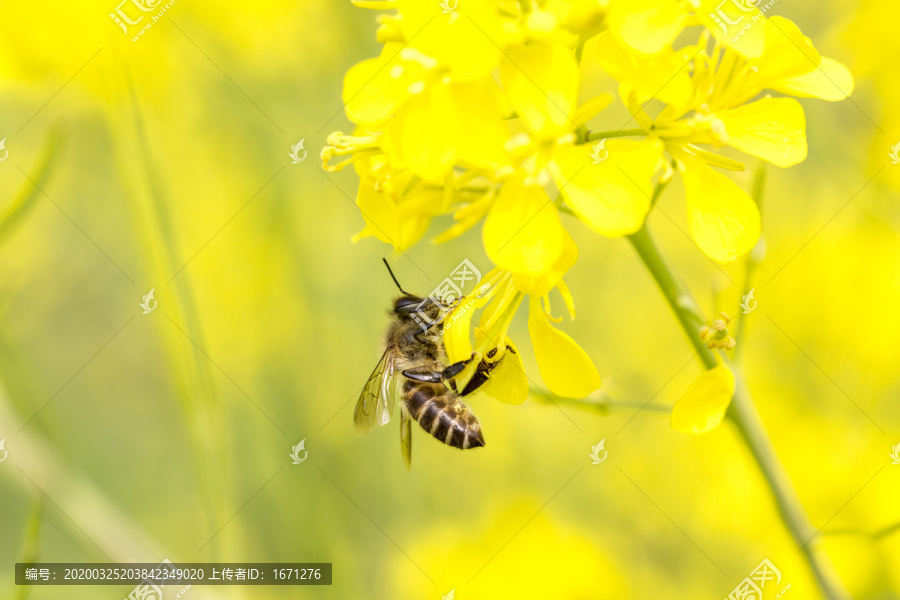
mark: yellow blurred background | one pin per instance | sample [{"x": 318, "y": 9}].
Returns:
[{"x": 164, "y": 164}]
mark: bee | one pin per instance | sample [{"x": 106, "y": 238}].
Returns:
[{"x": 414, "y": 373}]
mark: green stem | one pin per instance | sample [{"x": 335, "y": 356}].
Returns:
[
  {"x": 600, "y": 135},
  {"x": 16, "y": 212},
  {"x": 753, "y": 260},
  {"x": 679, "y": 298},
  {"x": 602, "y": 404},
  {"x": 31, "y": 545},
  {"x": 747, "y": 420}
]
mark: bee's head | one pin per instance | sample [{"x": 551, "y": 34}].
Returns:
[
  {"x": 416, "y": 308},
  {"x": 407, "y": 304}
]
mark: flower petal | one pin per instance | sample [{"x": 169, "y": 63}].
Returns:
[
  {"x": 508, "y": 382},
  {"x": 465, "y": 41},
  {"x": 541, "y": 80},
  {"x": 661, "y": 76},
  {"x": 447, "y": 122},
  {"x": 611, "y": 197},
  {"x": 522, "y": 232},
  {"x": 483, "y": 132},
  {"x": 539, "y": 285},
  {"x": 380, "y": 213},
  {"x": 788, "y": 53},
  {"x": 424, "y": 132},
  {"x": 565, "y": 367},
  {"x": 458, "y": 321},
  {"x": 703, "y": 405},
  {"x": 648, "y": 26},
  {"x": 723, "y": 219},
  {"x": 734, "y": 24},
  {"x": 371, "y": 91},
  {"x": 773, "y": 129},
  {"x": 832, "y": 81}
]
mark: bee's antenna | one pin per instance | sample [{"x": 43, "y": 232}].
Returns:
[{"x": 399, "y": 287}]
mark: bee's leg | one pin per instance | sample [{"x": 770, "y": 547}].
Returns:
[
  {"x": 422, "y": 374},
  {"x": 483, "y": 371},
  {"x": 456, "y": 368}
]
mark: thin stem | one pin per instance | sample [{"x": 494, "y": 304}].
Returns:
[
  {"x": 191, "y": 370},
  {"x": 679, "y": 298},
  {"x": 754, "y": 258},
  {"x": 602, "y": 403},
  {"x": 16, "y": 212},
  {"x": 747, "y": 420},
  {"x": 600, "y": 135},
  {"x": 31, "y": 544}
]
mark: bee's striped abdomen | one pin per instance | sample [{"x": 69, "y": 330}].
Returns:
[{"x": 442, "y": 414}]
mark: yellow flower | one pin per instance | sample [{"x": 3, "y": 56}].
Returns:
[
  {"x": 392, "y": 216},
  {"x": 565, "y": 367},
  {"x": 722, "y": 218},
  {"x": 465, "y": 42},
  {"x": 708, "y": 105},
  {"x": 507, "y": 382},
  {"x": 662, "y": 75},
  {"x": 475, "y": 112},
  {"x": 612, "y": 197},
  {"x": 541, "y": 81},
  {"x": 445, "y": 124},
  {"x": 703, "y": 405},
  {"x": 523, "y": 232},
  {"x": 648, "y": 26},
  {"x": 790, "y": 64}
]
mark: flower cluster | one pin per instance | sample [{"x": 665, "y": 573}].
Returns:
[
  {"x": 717, "y": 335},
  {"x": 480, "y": 110}
]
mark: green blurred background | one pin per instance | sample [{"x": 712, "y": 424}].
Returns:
[{"x": 154, "y": 431}]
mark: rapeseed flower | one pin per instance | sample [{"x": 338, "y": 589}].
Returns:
[{"x": 473, "y": 110}]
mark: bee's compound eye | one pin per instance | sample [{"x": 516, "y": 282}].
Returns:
[
  {"x": 492, "y": 353},
  {"x": 407, "y": 303}
]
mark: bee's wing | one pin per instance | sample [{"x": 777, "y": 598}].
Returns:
[
  {"x": 406, "y": 437},
  {"x": 379, "y": 396}
]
